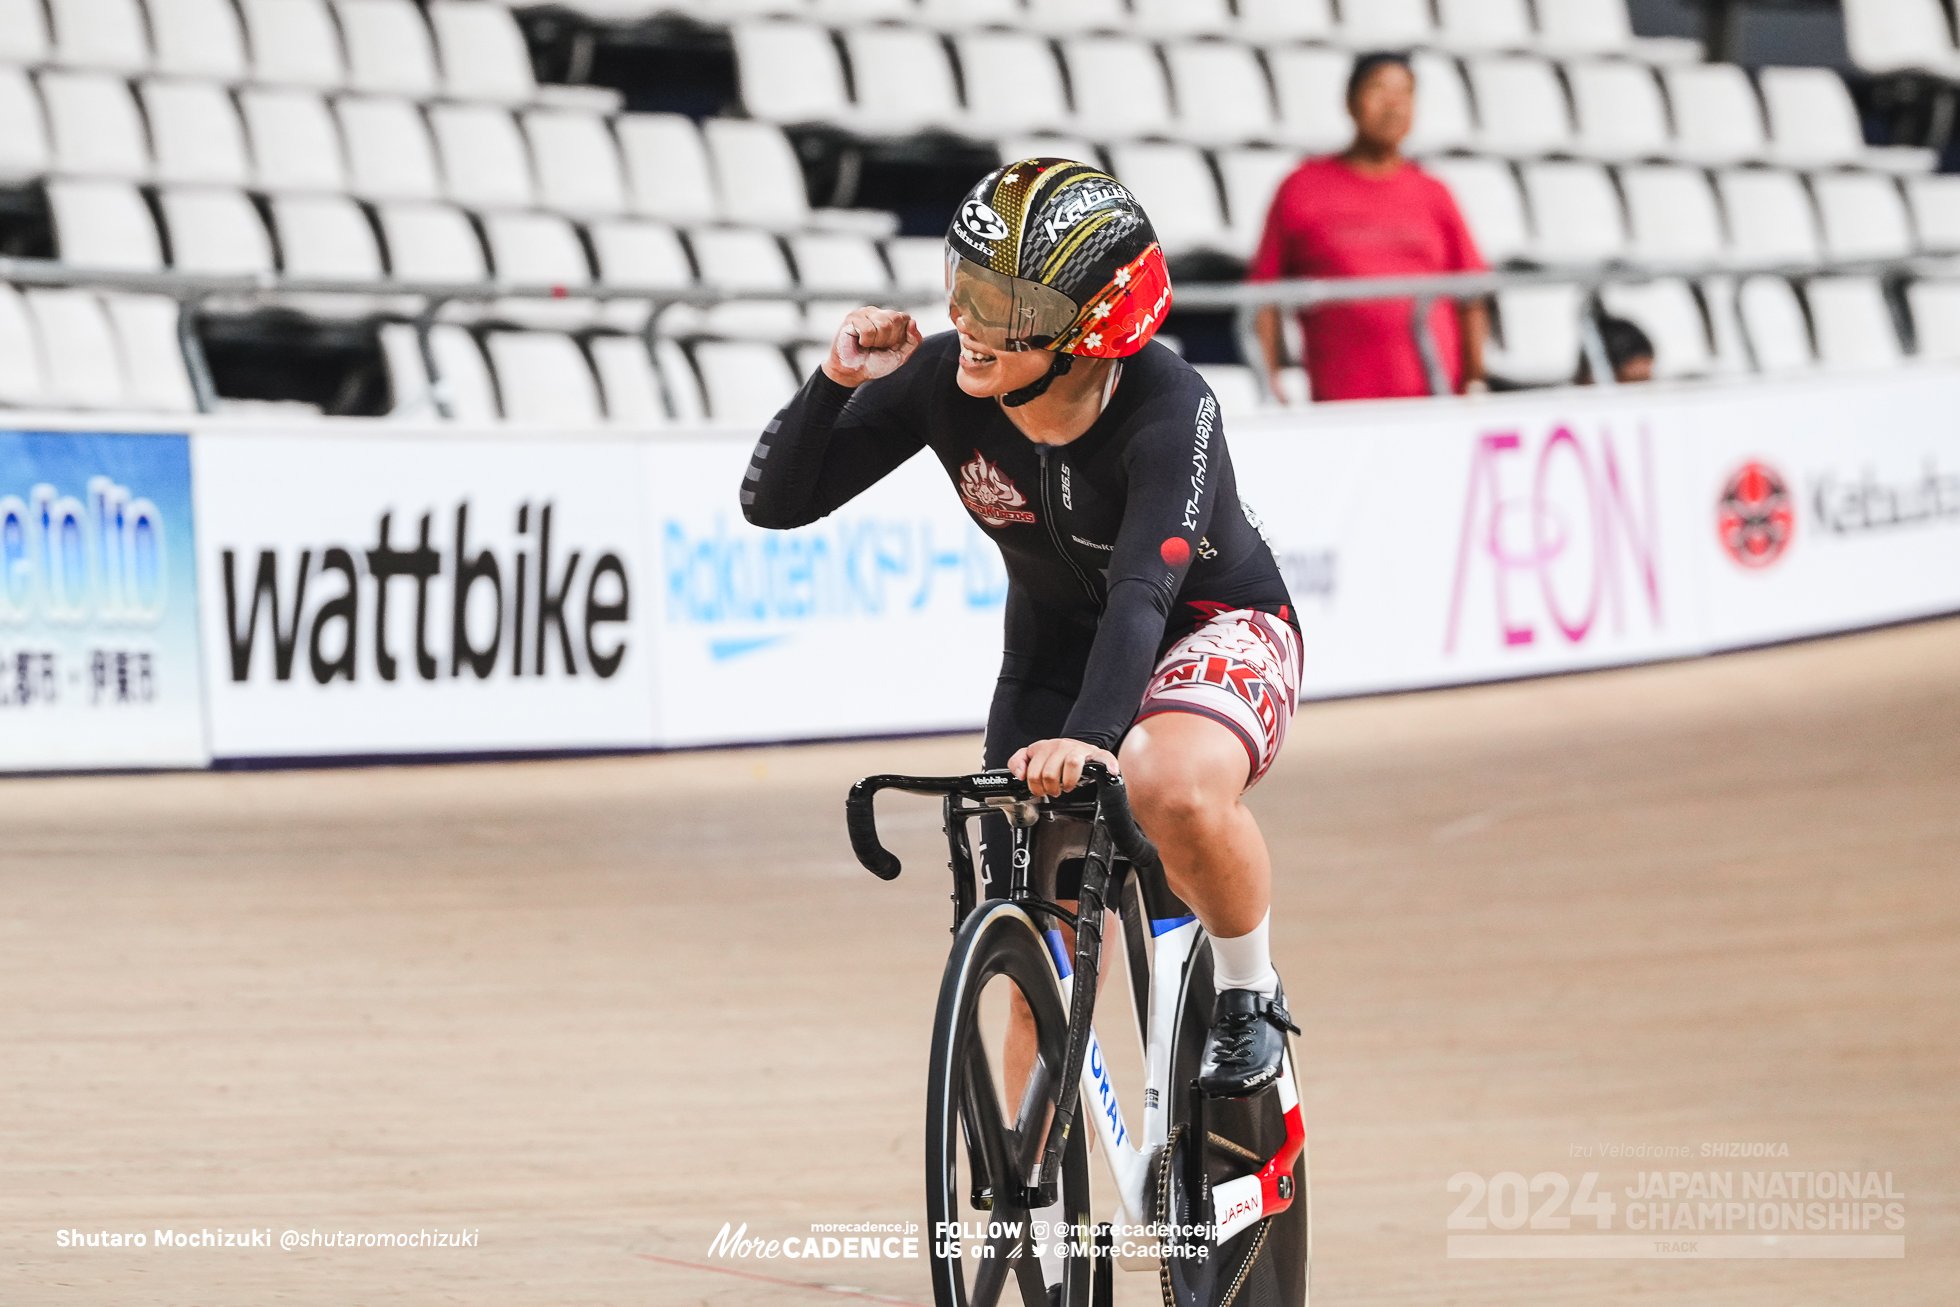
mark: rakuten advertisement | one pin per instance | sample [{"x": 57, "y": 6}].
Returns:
[
  {"x": 98, "y": 596},
  {"x": 883, "y": 617},
  {"x": 422, "y": 594}
]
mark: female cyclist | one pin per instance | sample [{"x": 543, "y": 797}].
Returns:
[{"x": 1147, "y": 625}]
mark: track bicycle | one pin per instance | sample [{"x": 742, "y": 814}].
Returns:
[{"x": 1212, "y": 1193}]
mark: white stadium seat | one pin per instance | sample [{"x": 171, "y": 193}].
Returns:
[
  {"x": 743, "y": 260},
  {"x": 325, "y": 237},
  {"x": 542, "y": 377},
  {"x": 78, "y": 349},
  {"x": 1575, "y": 212},
  {"x": 95, "y": 125},
  {"x": 431, "y": 243},
  {"x": 1311, "y": 85},
  {"x": 1582, "y": 27},
  {"x": 1538, "y": 341},
  {"x": 1444, "y": 120},
  {"x": 1481, "y": 26},
  {"x": 1063, "y": 16},
  {"x": 1175, "y": 186},
  {"x": 1863, "y": 216},
  {"x": 789, "y": 73},
  {"x": 1813, "y": 123},
  {"x": 1667, "y": 312},
  {"x": 917, "y": 262},
  {"x": 1013, "y": 83},
  {"x": 1220, "y": 91},
  {"x": 1899, "y": 36},
  {"x": 484, "y": 162},
  {"x": 483, "y": 54},
  {"x": 1718, "y": 296},
  {"x": 1487, "y": 194},
  {"x": 21, "y": 383},
  {"x": 24, "y": 148},
  {"x": 1717, "y": 118},
  {"x": 1935, "y": 203},
  {"x": 23, "y": 40},
  {"x": 1773, "y": 320},
  {"x": 535, "y": 249},
  {"x": 1235, "y": 386},
  {"x": 195, "y": 135},
  {"x": 408, "y": 376},
  {"x": 295, "y": 141},
  {"x": 1386, "y": 24},
  {"x": 1853, "y": 326},
  {"x": 464, "y": 373},
  {"x": 745, "y": 381},
  {"x": 637, "y": 254},
  {"x": 904, "y": 81},
  {"x": 577, "y": 162},
  {"x": 756, "y": 174},
  {"x": 214, "y": 230},
  {"x": 105, "y": 34},
  {"x": 1520, "y": 106},
  {"x": 1936, "y": 319},
  {"x": 1621, "y": 112},
  {"x": 294, "y": 43},
  {"x": 964, "y": 15},
  {"x": 667, "y": 170},
  {"x": 1119, "y": 87},
  {"x": 1251, "y": 177},
  {"x": 861, "y": 11},
  {"x": 627, "y": 381},
  {"x": 1286, "y": 20},
  {"x": 104, "y": 224},
  {"x": 1174, "y": 18},
  {"x": 155, "y": 376},
  {"x": 834, "y": 261},
  {"x": 197, "y": 38},
  {"x": 807, "y": 358},
  {"x": 679, "y": 382},
  {"x": 1770, "y": 219},
  {"x": 389, "y": 153},
  {"x": 1049, "y": 147},
  {"x": 389, "y": 51},
  {"x": 1672, "y": 213}
]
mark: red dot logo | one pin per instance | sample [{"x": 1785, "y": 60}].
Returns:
[
  {"x": 1176, "y": 551},
  {"x": 1756, "y": 516}
]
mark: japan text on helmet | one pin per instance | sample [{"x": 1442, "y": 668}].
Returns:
[{"x": 1054, "y": 254}]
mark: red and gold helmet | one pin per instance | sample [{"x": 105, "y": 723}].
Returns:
[{"x": 1053, "y": 254}]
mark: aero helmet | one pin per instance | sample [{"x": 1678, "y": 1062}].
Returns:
[{"x": 1053, "y": 254}]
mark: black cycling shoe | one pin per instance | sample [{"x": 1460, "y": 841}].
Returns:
[{"x": 1246, "y": 1045}]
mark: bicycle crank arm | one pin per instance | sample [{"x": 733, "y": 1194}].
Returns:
[{"x": 1236, "y": 1204}]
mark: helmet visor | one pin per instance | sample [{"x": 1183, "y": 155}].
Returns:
[{"x": 1003, "y": 312}]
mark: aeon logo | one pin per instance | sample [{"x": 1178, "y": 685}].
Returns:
[{"x": 1562, "y": 537}]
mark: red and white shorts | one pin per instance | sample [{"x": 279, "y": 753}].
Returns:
[{"x": 1242, "y": 670}]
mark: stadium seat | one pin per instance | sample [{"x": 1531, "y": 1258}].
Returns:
[
  {"x": 324, "y": 237},
  {"x": 1770, "y": 219},
  {"x": 1672, "y": 214},
  {"x": 197, "y": 38},
  {"x": 1286, "y": 20},
  {"x": 389, "y": 51},
  {"x": 1220, "y": 92},
  {"x": 1520, "y": 106},
  {"x": 917, "y": 262},
  {"x": 1814, "y": 124},
  {"x": 1935, "y": 203},
  {"x": 78, "y": 350},
  {"x": 1731, "y": 349},
  {"x": 577, "y": 162},
  {"x": 1386, "y": 24},
  {"x": 101, "y": 34},
  {"x": 484, "y": 162},
  {"x": 430, "y": 243},
  {"x": 1049, "y": 147},
  {"x": 542, "y": 377},
  {"x": 1119, "y": 87},
  {"x": 904, "y": 81},
  {"x": 789, "y": 73},
  {"x": 1936, "y": 319},
  {"x": 1537, "y": 341},
  {"x": 635, "y": 254},
  {"x": 1175, "y": 18},
  {"x": 667, "y": 172},
  {"x": 1486, "y": 192},
  {"x": 830, "y": 261},
  {"x": 840, "y": 12},
  {"x": 155, "y": 376},
  {"x": 743, "y": 260},
  {"x": 1175, "y": 186},
  {"x": 1863, "y": 216},
  {"x": 1575, "y": 212},
  {"x": 24, "y": 149},
  {"x": 21, "y": 383},
  {"x": 1773, "y": 321},
  {"x": 1311, "y": 86},
  {"x": 1013, "y": 83},
  {"x": 214, "y": 230},
  {"x": 679, "y": 383},
  {"x": 1620, "y": 110},
  {"x": 539, "y": 249},
  {"x": 744, "y": 382},
  {"x": 1900, "y": 36},
  {"x": 1236, "y": 388},
  {"x": 104, "y": 224},
  {"x": 757, "y": 174},
  {"x": 1443, "y": 118},
  {"x": 1065, "y": 16},
  {"x": 1251, "y": 177},
  {"x": 1668, "y": 313},
  {"x": 807, "y": 358},
  {"x": 1583, "y": 27},
  {"x": 1853, "y": 325},
  {"x": 1717, "y": 118},
  {"x": 295, "y": 141},
  {"x": 483, "y": 54},
  {"x": 627, "y": 382},
  {"x": 465, "y": 376},
  {"x": 195, "y": 135},
  {"x": 294, "y": 43},
  {"x": 1484, "y": 26},
  {"x": 95, "y": 125},
  {"x": 965, "y": 15},
  {"x": 389, "y": 153},
  {"x": 23, "y": 40}
]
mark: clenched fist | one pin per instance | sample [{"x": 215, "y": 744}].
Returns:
[{"x": 872, "y": 343}]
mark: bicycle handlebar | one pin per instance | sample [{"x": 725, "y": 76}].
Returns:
[{"x": 1106, "y": 786}]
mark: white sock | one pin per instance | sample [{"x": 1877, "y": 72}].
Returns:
[{"x": 1245, "y": 962}]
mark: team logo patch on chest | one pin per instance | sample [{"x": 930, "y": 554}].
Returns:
[{"x": 990, "y": 494}]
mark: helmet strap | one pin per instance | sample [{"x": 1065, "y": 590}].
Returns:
[{"x": 1036, "y": 389}]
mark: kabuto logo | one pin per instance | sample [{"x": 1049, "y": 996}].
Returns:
[
  {"x": 531, "y": 613},
  {"x": 980, "y": 219},
  {"x": 1756, "y": 516},
  {"x": 990, "y": 494}
]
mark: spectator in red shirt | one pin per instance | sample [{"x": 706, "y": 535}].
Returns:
[{"x": 1371, "y": 213}]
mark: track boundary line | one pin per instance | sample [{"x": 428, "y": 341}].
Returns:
[{"x": 837, "y": 1289}]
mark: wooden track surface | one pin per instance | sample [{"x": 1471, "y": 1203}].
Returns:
[{"x": 592, "y": 1010}]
